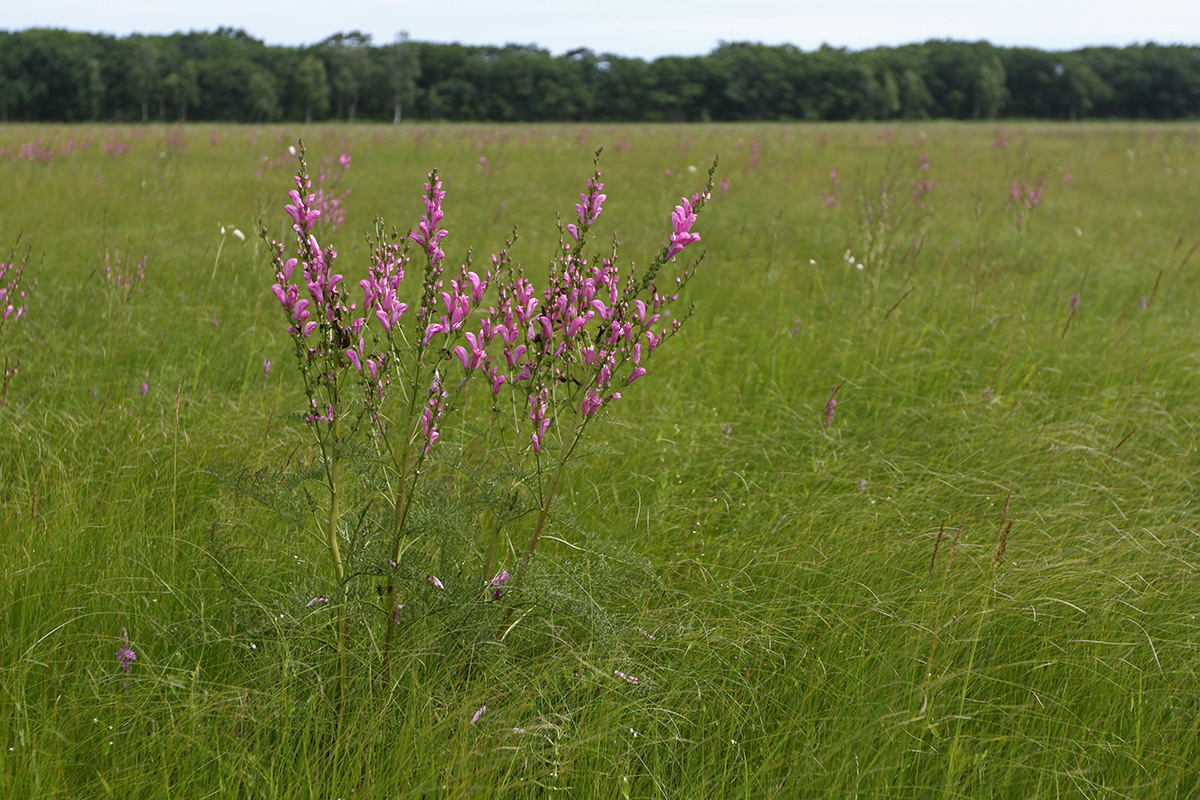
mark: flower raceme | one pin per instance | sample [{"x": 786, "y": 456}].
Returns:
[{"x": 567, "y": 349}]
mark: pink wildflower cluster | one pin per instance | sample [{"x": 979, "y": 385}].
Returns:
[
  {"x": 589, "y": 332},
  {"x": 35, "y": 152},
  {"x": 330, "y": 203},
  {"x": 832, "y": 196},
  {"x": 116, "y": 147},
  {"x": 922, "y": 188},
  {"x": 324, "y": 327},
  {"x": 13, "y": 303},
  {"x": 120, "y": 277},
  {"x": 925, "y": 185},
  {"x": 1022, "y": 197},
  {"x": 571, "y": 346},
  {"x": 428, "y": 235}
]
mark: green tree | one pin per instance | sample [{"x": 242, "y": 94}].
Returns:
[
  {"x": 264, "y": 96},
  {"x": 184, "y": 87},
  {"x": 313, "y": 83},
  {"x": 145, "y": 74},
  {"x": 95, "y": 88},
  {"x": 915, "y": 99},
  {"x": 990, "y": 90},
  {"x": 404, "y": 67},
  {"x": 350, "y": 62}
]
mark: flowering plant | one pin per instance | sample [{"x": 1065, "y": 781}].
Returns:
[
  {"x": 552, "y": 359},
  {"x": 13, "y": 305}
]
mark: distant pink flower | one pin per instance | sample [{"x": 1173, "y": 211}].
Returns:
[
  {"x": 432, "y": 579},
  {"x": 126, "y": 657},
  {"x": 478, "y": 714}
]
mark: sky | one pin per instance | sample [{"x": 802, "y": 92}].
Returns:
[{"x": 641, "y": 28}]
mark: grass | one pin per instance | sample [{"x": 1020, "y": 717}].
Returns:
[{"x": 831, "y": 610}]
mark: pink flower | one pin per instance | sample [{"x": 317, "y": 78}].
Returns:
[
  {"x": 682, "y": 219},
  {"x": 478, "y": 714}
]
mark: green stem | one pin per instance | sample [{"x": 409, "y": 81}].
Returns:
[
  {"x": 404, "y": 497},
  {"x": 548, "y": 497}
]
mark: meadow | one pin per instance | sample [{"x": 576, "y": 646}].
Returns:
[{"x": 906, "y": 509}]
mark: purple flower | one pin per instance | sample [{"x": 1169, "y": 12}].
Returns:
[
  {"x": 478, "y": 714},
  {"x": 1074, "y": 303},
  {"x": 500, "y": 579},
  {"x": 145, "y": 388},
  {"x": 682, "y": 219},
  {"x": 125, "y": 658}
]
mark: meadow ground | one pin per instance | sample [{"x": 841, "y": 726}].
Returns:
[{"x": 977, "y": 578}]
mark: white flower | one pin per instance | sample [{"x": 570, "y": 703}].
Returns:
[
  {"x": 291, "y": 150},
  {"x": 241, "y": 236}
]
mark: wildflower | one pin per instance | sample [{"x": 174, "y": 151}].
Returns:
[
  {"x": 1074, "y": 303},
  {"x": 241, "y": 236},
  {"x": 126, "y": 656},
  {"x": 682, "y": 219},
  {"x": 428, "y": 234},
  {"x": 145, "y": 388},
  {"x": 478, "y": 714},
  {"x": 432, "y": 579},
  {"x": 318, "y": 599},
  {"x": 497, "y": 582},
  {"x": 629, "y": 678}
]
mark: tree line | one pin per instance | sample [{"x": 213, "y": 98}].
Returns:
[{"x": 228, "y": 75}]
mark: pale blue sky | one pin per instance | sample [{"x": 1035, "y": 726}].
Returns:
[{"x": 644, "y": 28}]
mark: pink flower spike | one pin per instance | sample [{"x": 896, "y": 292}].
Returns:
[
  {"x": 478, "y": 714},
  {"x": 500, "y": 579},
  {"x": 433, "y": 580}
]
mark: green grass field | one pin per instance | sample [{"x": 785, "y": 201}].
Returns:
[{"x": 978, "y": 580}]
